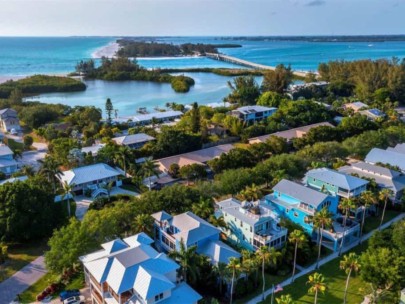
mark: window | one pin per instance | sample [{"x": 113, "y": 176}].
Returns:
[
  {"x": 159, "y": 297},
  {"x": 287, "y": 210}
]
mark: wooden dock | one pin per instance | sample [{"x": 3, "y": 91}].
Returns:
[{"x": 249, "y": 64}]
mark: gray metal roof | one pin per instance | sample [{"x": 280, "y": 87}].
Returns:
[
  {"x": 5, "y": 150},
  {"x": 133, "y": 139},
  {"x": 157, "y": 115},
  {"x": 301, "y": 193},
  {"x": 86, "y": 174},
  {"x": 377, "y": 155},
  {"x": 336, "y": 178},
  {"x": 218, "y": 252},
  {"x": 254, "y": 109}
]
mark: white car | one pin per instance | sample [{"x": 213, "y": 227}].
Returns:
[{"x": 74, "y": 300}]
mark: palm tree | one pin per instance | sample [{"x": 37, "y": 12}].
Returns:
[
  {"x": 221, "y": 272},
  {"x": 267, "y": 255},
  {"x": 384, "y": 195},
  {"x": 322, "y": 220},
  {"x": 67, "y": 192},
  {"x": 218, "y": 222},
  {"x": 186, "y": 257},
  {"x": 203, "y": 208},
  {"x": 285, "y": 299},
  {"x": 108, "y": 187},
  {"x": 234, "y": 266},
  {"x": 316, "y": 281},
  {"x": 349, "y": 263},
  {"x": 143, "y": 223},
  {"x": 252, "y": 193},
  {"x": 50, "y": 168},
  {"x": 122, "y": 157},
  {"x": 346, "y": 205},
  {"x": 367, "y": 198},
  {"x": 27, "y": 170},
  {"x": 149, "y": 169},
  {"x": 296, "y": 237}
]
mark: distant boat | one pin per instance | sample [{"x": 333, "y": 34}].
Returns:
[{"x": 142, "y": 110}]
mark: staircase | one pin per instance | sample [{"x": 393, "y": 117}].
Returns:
[{"x": 100, "y": 191}]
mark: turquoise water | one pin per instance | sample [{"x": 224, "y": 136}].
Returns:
[{"x": 35, "y": 55}]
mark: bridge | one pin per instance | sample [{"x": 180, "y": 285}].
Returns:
[{"x": 249, "y": 64}]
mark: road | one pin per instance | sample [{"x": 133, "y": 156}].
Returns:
[{"x": 21, "y": 280}]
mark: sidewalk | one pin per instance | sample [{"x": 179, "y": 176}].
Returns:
[
  {"x": 21, "y": 280},
  {"x": 325, "y": 260}
]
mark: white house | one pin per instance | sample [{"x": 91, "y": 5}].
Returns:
[
  {"x": 9, "y": 120},
  {"x": 131, "y": 271},
  {"x": 7, "y": 163},
  {"x": 253, "y": 113},
  {"x": 92, "y": 177},
  {"x": 134, "y": 141}
]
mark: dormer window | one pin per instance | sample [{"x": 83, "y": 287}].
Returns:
[{"x": 159, "y": 297}]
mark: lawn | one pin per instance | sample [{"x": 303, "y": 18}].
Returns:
[
  {"x": 335, "y": 280},
  {"x": 373, "y": 222},
  {"x": 31, "y": 293},
  {"x": 19, "y": 256}
]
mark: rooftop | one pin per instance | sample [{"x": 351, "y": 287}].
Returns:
[
  {"x": 300, "y": 192},
  {"x": 254, "y": 109},
  {"x": 86, "y": 174},
  {"x": 157, "y": 115},
  {"x": 336, "y": 178},
  {"x": 133, "y": 139},
  {"x": 5, "y": 150},
  {"x": 393, "y": 158},
  {"x": 93, "y": 149}
]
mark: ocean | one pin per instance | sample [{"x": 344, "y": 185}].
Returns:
[{"x": 20, "y": 56}]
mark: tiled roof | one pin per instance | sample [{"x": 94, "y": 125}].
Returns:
[
  {"x": 133, "y": 139},
  {"x": 86, "y": 174},
  {"x": 336, "y": 178},
  {"x": 301, "y": 193}
]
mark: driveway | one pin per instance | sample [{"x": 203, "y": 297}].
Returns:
[
  {"x": 31, "y": 158},
  {"x": 21, "y": 280},
  {"x": 82, "y": 204}
]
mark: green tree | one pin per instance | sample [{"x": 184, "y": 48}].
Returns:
[
  {"x": 251, "y": 193},
  {"x": 149, "y": 169},
  {"x": 317, "y": 283},
  {"x": 50, "y": 169},
  {"x": 186, "y": 257},
  {"x": 143, "y": 223},
  {"x": 235, "y": 267},
  {"x": 193, "y": 172},
  {"x": 203, "y": 208},
  {"x": 195, "y": 118},
  {"x": 349, "y": 263},
  {"x": 267, "y": 255},
  {"x": 322, "y": 220},
  {"x": 270, "y": 99},
  {"x": 28, "y": 141},
  {"x": 368, "y": 199},
  {"x": 384, "y": 195},
  {"x": 244, "y": 91},
  {"x": 67, "y": 194},
  {"x": 285, "y": 299},
  {"x": 297, "y": 237},
  {"x": 277, "y": 80},
  {"x": 345, "y": 205},
  {"x": 221, "y": 271}
]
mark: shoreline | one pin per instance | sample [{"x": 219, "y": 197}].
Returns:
[{"x": 108, "y": 51}]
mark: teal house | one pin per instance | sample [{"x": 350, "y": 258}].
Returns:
[
  {"x": 335, "y": 183},
  {"x": 298, "y": 203},
  {"x": 252, "y": 224}
]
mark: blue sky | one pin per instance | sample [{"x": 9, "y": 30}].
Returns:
[{"x": 200, "y": 17}]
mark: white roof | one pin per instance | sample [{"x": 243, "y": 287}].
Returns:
[
  {"x": 133, "y": 139},
  {"x": 93, "y": 149},
  {"x": 14, "y": 179},
  {"x": 377, "y": 155},
  {"x": 254, "y": 109},
  {"x": 86, "y": 174},
  {"x": 5, "y": 150},
  {"x": 157, "y": 115}
]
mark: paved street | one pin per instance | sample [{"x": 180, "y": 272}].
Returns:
[{"x": 21, "y": 280}]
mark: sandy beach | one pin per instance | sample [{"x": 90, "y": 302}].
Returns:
[{"x": 106, "y": 51}]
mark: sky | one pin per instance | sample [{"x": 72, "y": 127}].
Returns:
[{"x": 200, "y": 17}]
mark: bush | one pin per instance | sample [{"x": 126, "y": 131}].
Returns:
[{"x": 28, "y": 141}]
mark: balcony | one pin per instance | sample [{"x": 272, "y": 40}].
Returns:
[{"x": 109, "y": 299}]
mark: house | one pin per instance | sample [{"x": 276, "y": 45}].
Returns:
[
  {"x": 387, "y": 157},
  {"x": 14, "y": 179},
  {"x": 251, "y": 114},
  {"x": 290, "y": 134},
  {"x": 384, "y": 177},
  {"x": 134, "y": 141},
  {"x": 400, "y": 148},
  {"x": 355, "y": 106},
  {"x": 252, "y": 224},
  {"x": 200, "y": 157},
  {"x": 93, "y": 150},
  {"x": 334, "y": 182},
  {"x": 373, "y": 114},
  {"x": 131, "y": 271},
  {"x": 90, "y": 178},
  {"x": 191, "y": 230},
  {"x": 8, "y": 165},
  {"x": 9, "y": 120}
]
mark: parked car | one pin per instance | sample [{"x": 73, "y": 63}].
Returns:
[
  {"x": 74, "y": 300},
  {"x": 68, "y": 294}
]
